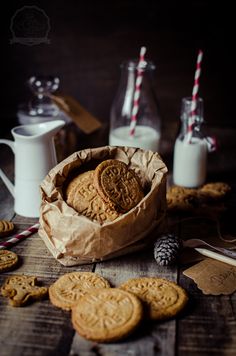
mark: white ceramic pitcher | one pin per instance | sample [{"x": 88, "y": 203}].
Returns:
[{"x": 35, "y": 155}]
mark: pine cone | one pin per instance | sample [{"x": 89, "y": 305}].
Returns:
[{"x": 167, "y": 249}]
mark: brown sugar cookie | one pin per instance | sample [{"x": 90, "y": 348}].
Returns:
[
  {"x": 8, "y": 260},
  {"x": 82, "y": 180},
  {"x": 214, "y": 191},
  {"x": 83, "y": 197},
  {"x": 21, "y": 289},
  {"x": 180, "y": 198},
  {"x": 6, "y": 227},
  {"x": 117, "y": 185},
  {"x": 163, "y": 299},
  {"x": 67, "y": 290},
  {"x": 78, "y": 181},
  {"x": 107, "y": 315},
  {"x": 176, "y": 190}
]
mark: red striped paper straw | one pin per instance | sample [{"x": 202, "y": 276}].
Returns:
[
  {"x": 194, "y": 96},
  {"x": 13, "y": 240},
  {"x": 138, "y": 84}
]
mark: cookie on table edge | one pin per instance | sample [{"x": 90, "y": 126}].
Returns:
[
  {"x": 8, "y": 260},
  {"x": 21, "y": 289},
  {"x": 181, "y": 199},
  {"x": 162, "y": 299},
  {"x": 6, "y": 227},
  {"x": 107, "y": 315},
  {"x": 70, "y": 287},
  {"x": 214, "y": 191}
]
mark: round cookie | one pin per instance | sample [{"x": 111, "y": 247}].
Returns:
[
  {"x": 6, "y": 227},
  {"x": 67, "y": 290},
  {"x": 163, "y": 299},
  {"x": 107, "y": 315},
  {"x": 81, "y": 185},
  {"x": 83, "y": 197},
  {"x": 8, "y": 260},
  {"x": 117, "y": 185},
  {"x": 216, "y": 190},
  {"x": 180, "y": 198}
]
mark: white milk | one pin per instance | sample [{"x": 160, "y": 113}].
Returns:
[
  {"x": 190, "y": 160},
  {"x": 145, "y": 137}
]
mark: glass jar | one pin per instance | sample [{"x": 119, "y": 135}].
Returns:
[
  {"x": 147, "y": 131},
  {"x": 41, "y": 108},
  {"x": 190, "y": 150}
]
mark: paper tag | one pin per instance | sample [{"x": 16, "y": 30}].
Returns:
[
  {"x": 81, "y": 117},
  {"x": 213, "y": 277}
]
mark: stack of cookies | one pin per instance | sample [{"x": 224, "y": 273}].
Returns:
[
  {"x": 105, "y": 314},
  {"x": 105, "y": 193},
  {"x": 208, "y": 197}
]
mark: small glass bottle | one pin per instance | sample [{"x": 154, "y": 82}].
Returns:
[
  {"x": 190, "y": 150},
  {"x": 148, "y": 127}
]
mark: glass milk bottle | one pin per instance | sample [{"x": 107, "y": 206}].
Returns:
[
  {"x": 147, "y": 129},
  {"x": 190, "y": 150}
]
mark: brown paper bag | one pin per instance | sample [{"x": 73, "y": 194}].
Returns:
[{"x": 75, "y": 239}]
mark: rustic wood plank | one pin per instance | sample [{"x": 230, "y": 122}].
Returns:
[
  {"x": 152, "y": 338},
  {"x": 209, "y": 325},
  {"x": 39, "y": 328},
  {"x": 206, "y": 327}
]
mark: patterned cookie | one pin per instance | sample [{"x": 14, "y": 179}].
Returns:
[
  {"x": 176, "y": 190},
  {"x": 163, "y": 299},
  {"x": 117, "y": 185},
  {"x": 8, "y": 260},
  {"x": 21, "y": 289},
  {"x": 216, "y": 190},
  {"x": 107, "y": 315},
  {"x": 180, "y": 198},
  {"x": 6, "y": 227},
  {"x": 83, "y": 197},
  {"x": 83, "y": 184},
  {"x": 67, "y": 290}
]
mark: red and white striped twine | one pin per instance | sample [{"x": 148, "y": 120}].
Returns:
[
  {"x": 194, "y": 96},
  {"x": 138, "y": 84},
  {"x": 12, "y": 241}
]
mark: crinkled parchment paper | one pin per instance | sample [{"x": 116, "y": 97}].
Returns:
[{"x": 75, "y": 239}]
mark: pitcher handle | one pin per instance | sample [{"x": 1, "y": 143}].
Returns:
[
  {"x": 10, "y": 143},
  {"x": 5, "y": 179}
]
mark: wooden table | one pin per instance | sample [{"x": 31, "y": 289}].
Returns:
[{"x": 207, "y": 326}]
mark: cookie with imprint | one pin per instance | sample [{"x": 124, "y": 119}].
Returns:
[
  {"x": 83, "y": 197},
  {"x": 21, "y": 289},
  {"x": 107, "y": 315},
  {"x": 6, "y": 227},
  {"x": 69, "y": 288},
  {"x": 214, "y": 191},
  {"x": 8, "y": 260},
  {"x": 118, "y": 185},
  {"x": 180, "y": 198},
  {"x": 163, "y": 299}
]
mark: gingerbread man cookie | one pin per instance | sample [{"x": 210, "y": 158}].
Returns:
[{"x": 20, "y": 289}]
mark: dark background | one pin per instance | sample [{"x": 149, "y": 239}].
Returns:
[{"x": 89, "y": 40}]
